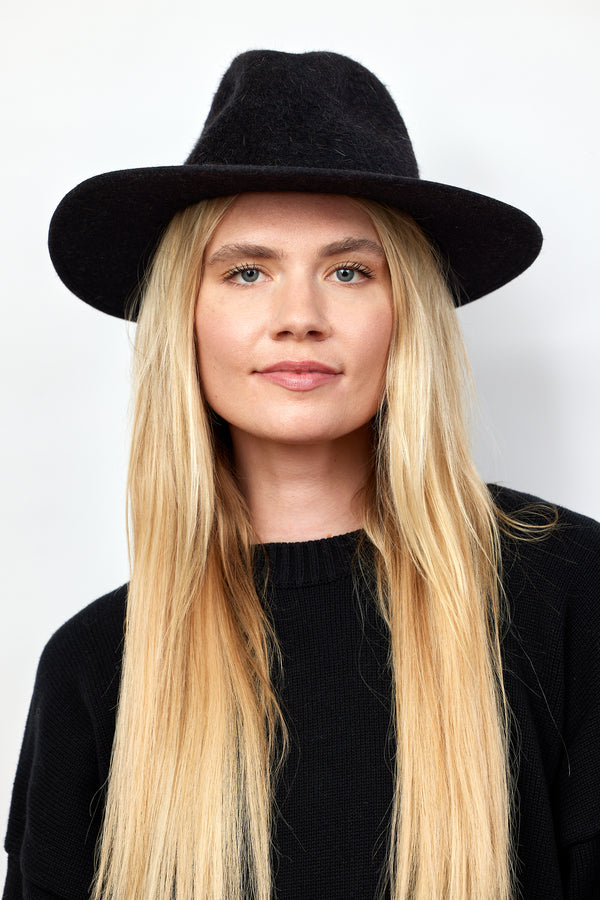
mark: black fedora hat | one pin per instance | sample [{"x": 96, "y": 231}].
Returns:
[{"x": 313, "y": 122}]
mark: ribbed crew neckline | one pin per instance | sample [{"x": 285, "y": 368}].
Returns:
[{"x": 310, "y": 562}]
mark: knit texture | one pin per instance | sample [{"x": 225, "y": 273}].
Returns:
[{"x": 335, "y": 792}]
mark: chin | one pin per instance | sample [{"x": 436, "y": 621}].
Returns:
[{"x": 302, "y": 433}]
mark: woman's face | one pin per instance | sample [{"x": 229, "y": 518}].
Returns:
[{"x": 294, "y": 318}]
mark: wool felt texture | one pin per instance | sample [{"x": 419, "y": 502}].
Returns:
[
  {"x": 313, "y": 122},
  {"x": 335, "y": 793}
]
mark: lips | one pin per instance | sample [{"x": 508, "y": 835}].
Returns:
[
  {"x": 298, "y": 366},
  {"x": 299, "y": 375}
]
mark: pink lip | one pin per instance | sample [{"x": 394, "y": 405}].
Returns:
[{"x": 299, "y": 375}]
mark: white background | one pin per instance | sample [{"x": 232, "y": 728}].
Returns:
[{"x": 498, "y": 98}]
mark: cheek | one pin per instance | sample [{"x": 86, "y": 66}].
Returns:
[
  {"x": 211, "y": 350},
  {"x": 222, "y": 348},
  {"x": 373, "y": 348}
]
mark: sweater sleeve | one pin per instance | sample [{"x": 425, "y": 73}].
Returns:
[
  {"x": 18, "y": 888},
  {"x": 552, "y": 675},
  {"x": 57, "y": 801},
  {"x": 579, "y": 777}
]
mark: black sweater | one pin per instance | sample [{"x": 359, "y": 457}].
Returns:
[{"x": 335, "y": 794}]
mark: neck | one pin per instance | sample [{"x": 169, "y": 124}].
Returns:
[{"x": 303, "y": 492}]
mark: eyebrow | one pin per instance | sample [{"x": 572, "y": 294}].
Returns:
[
  {"x": 231, "y": 251},
  {"x": 258, "y": 251},
  {"x": 351, "y": 243}
]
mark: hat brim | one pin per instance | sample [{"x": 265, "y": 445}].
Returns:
[{"x": 104, "y": 232}]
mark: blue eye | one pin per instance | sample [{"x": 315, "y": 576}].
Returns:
[
  {"x": 245, "y": 274},
  {"x": 345, "y": 275},
  {"x": 352, "y": 272},
  {"x": 249, "y": 275}
]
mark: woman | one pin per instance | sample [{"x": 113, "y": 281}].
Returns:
[{"x": 349, "y": 668}]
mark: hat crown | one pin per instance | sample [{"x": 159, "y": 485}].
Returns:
[
  {"x": 318, "y": 110},
  {"x": 316, "y": 122}
]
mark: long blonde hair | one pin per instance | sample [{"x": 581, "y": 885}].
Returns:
[{"x": 200, "y": 735}]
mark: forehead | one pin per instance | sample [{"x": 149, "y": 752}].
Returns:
[{"x": 289, "y": 217}]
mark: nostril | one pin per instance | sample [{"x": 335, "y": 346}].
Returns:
[{"x": 300, "y": 334}]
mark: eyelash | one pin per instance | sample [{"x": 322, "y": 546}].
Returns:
[
  {"x": 354, "y": 267},
  {"x": 361, "y": 268},
  {"x": 237, "y": 270}
]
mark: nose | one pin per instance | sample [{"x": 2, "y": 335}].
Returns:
[{"x": 299, "y": 312}]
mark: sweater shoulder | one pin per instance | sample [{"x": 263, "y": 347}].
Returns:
[
  {"x": 513, "y": 502},
  {"x": 561, "y": 545},
  {"x": 92, "y": 635}
]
